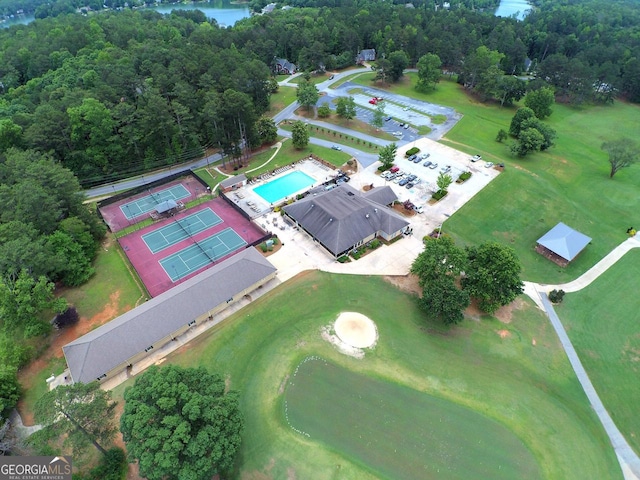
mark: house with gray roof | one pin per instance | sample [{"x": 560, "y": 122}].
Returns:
[
  {"x": 342, "y": 219},
  {"x": 111, "y": 348},
  {"x": 366, "y": 55},
  {"x": 284, "y": 67},
  {"x": 562, "y": 244}
]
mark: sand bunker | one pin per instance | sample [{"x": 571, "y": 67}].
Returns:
[
  {"x": 350, "y": 333},
  {"x": 356, "y": 330}
]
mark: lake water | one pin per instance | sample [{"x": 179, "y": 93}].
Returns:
[
  {"x": 511, "y": 7},
  {"x": 223, "y": 11}
]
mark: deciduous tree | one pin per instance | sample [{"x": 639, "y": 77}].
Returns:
[
  {"x": 307, "y": 94},
  {"x": 622, "y": 153},
  {"x": 267, "y": 130},
  {"x": 443, "y": 299},
  {"x": 9, "y": 390},
  {"x": 443, "y": 181},
  {"x": 429, "y": 72},
  {"x": 378, "y": 115},
  {"x": 398, "y": 61},
  {"x": 82, "y": 413},
  {"x": 492, "y": 275},
  {"x": 540, "y": 101},
  {"x": 520, "y": 116},
  {"x": 300, "y": 134},
  {"x": 180, "y": 423},
  {"x": 388, "y": 155},
  {"x": 346, "y": 107},
  {"x": 440, "y": 257}
]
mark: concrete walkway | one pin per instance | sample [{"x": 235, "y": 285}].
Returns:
[
  {"x": 629, "y": 461},
  {"x": 627, "y": 457}
]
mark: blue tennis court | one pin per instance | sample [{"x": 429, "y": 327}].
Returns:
[
  {"x": 196, "y": 256},
  {"x": 150, "y": 202},
  {"x": 180, "y": 229}
]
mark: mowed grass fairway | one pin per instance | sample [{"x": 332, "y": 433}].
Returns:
[
  {"x": 529, "y": 389},
  {"x": 602, "y": 322},
  {"x": 569, "y": 183},
  {"x": 400, "y": 432}
]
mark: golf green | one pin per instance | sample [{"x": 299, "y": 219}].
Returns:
[{"x": 399, "y": 432}]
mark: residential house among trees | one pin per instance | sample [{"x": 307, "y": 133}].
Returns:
[
  {"x": 284, "y": 67},
  {"x": 368, "y": 55}
]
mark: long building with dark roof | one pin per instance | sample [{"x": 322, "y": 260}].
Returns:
[
  {"x": 342, "y": 219},
  {"x": 113, "y": 347}
]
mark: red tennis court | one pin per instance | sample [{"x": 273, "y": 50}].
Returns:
[{"x": 147, "y": 264}]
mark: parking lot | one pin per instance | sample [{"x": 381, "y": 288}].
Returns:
[{"x": 420, "y": 193}]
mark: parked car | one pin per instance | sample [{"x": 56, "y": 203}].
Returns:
[
  {"x": 406, "y": 125},
  {"x": 387, "y": 119},
  {"x": 412, "y": 158},
  {"x": 475, "y": 158},
  {"x": 398, "y": 179},
  {"x": 446, "y": 169},
  {"x": 336, "y": 147},
  {"x": 488, "y": 165},
  {"x": 403, "y": 182},
  {"x": 427, "y": 163},
  {"x": 433, "y": 166},
  {"x": 409, "y": 185},
  {"x": 412, "y": 177},
  {"x": 398, "y": 134},
  {"x": 418, "y": 208},
  {"x": 424, "y": 156},
  {"x": 331, "y": 77},
  {"x": 401, "y": 124},
  {"x": 394, "y": 169},
  {"x": 417, "y": 160},
  {"x": 391, "y": 176},
  {"x": 373, "y": 101}
]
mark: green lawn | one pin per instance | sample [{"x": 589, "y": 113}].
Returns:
[
  {"x": 283, "y": 97},
  {"x": 602, "y": 322},
  {"x": 339, "y": 138},
  {"x": 570, "y": 183},
  {"x": 399, "y": 432},
  {"x": 522, "y": 381},
  {"x": 289, "y": 154},
  {"x": 315, "y": 79},
  {"x": 353, "y": 124}
]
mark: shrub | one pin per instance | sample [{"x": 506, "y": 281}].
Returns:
[
  {"x": 464, "y": 176},
  {"x": 66, "y": 318},
  {"x": 556, "y": 296},
  {"x": 275, "y": 240},
  {"x": 412, "y": 151},
  {"x": 356, "y": 254},
  {"x": 263, "y": 247},
  {"x": 439, "y": 194},
  {"x": 343, "y": 259},
  {"x": 276, "y": 209},
  {"x": 375, "y": 243}
]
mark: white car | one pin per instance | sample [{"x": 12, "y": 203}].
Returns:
[
  {"x": 398, "y": 179},
  {"x": 488, "y": 165},
  {"x": 475, "y": 158},
  {"x": 418, "y": 208}
]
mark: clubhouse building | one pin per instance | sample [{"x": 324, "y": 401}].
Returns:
[
  {"x": 342, "y": 219},
  {"x": 119, "y": 344}
]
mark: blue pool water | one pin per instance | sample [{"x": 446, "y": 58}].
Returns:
[{"x": 282, "y": 187}]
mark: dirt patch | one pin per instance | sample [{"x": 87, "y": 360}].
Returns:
[
  {"x": 59, "y": 339},
  {"x": 291, "y": 473},
  {"x": 399, "y": 207},
  {"x": 505, "y": 314},
  {"x": 504, "y": 333},
  {"x": 473, "y": 311},
  {"x": 406, "y": 283}
]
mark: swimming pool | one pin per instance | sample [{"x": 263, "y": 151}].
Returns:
[{"x": 282, "y": 187}]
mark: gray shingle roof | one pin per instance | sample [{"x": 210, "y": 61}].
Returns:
[
  {"x": 166, "y": 206},
  {"x": 564, "y": 241},
  {"x": 342, "y": 217},
  {"x": 229, "y": 182},
  {"x": 106, "y": 347},
  {"x": 382, "y": 195}
]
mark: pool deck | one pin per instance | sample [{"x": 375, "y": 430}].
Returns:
[{"x": 256, "y": 206}]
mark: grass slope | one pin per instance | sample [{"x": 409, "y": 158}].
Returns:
[
  {"x": 602, "y": 322},
  {"x": 530, "y": 389},
  {"x": 569, "y": 183},
  {"x": 398, "y": 432}
]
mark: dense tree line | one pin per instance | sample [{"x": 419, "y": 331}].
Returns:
[{"x": 116, "y": 93}]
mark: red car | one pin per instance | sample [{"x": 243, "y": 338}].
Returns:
[
  {"x": 394, "y": 169},
  {"x": 373, "y": 101}
]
